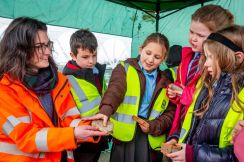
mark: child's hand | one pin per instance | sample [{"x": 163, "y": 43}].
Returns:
[
  {"x": 179, "y": 156},
  {"x": 145, "y": 127},
  {"x": 172, "y": 141},
  {"x": 239, "y": 126},
  {"x": 174, "y": 90},
  {"x": 167, "y": 148},
  {"x": 96, "y": 117}
]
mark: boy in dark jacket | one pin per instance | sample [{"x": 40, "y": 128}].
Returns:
[{"x": 88, "y": 85}]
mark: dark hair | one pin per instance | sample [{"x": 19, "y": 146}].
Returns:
[
  {"x": 16, "y": 46},
  {"x": 83, "y": 39},
  {"x": 214, "y": 17},
  {"x": 157, "y": 38}
]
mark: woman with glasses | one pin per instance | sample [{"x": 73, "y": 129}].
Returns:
[{"x": 38, "y": 117}]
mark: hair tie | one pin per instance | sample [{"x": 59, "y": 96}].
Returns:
[{"x": 225, "y": 41}]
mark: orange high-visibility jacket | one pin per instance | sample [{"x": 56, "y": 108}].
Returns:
[{"x": 27, "y": 133}]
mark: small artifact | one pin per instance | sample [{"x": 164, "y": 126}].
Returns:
[
  {"x": 170, "y": 148},
  {"x": 175, "y": 87},
  {"x": 140, "y": 121},
  {"x": 99, "y": 124}
]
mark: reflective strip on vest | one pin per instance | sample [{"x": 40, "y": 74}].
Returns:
[
  {"x": 86, "y": 104},
  {"x": 13, "y": 150},
  {"x": 126, "y": 66},
  {"x": 70, "y": 155},
  {"x": 154, "y": 114},
  {"x": 75, "y": 123},
  {"x": 123, "y": 118},
  {"x": 12, "y": 121},
  {"x": 70, "y": 112},
  {"x": 130, "y": 100},
  {"x": 76, "y": 87},
  {"x": 41, "y": 140}
]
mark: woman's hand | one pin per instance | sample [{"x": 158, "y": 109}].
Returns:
[
  {"x": 174, "y": 90},
  {"x": 85, "y": 131},
  {"x": 97, "y": 117},
  {"x": 179, "y": 156}
]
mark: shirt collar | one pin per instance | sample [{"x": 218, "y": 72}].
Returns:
[
  {"x": 154, "y": 73},
  {"x": 95, "y": 70},
  {"x": 197, "y": 54}
]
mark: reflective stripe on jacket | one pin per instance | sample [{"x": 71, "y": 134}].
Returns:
[
  {"x": 27, "y": 133},
  {"x": 124, "y": 126}
]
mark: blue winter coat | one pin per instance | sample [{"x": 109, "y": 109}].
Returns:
[{"x": 205, "y": 133}]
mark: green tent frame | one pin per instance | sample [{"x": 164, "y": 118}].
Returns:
[
  {"x": 159, "y": 6},
  {"x": 107, "y": 17}
]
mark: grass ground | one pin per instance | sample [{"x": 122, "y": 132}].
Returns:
[{"x": 104, "y": 157}]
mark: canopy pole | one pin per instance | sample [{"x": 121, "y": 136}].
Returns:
[
  {"x": 157, "y": 14},
  {"x": 202, "y": 3},
  {"x": 157, "y": 21}
]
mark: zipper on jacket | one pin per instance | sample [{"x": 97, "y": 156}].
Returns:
[{"x": 66, "y": 81}]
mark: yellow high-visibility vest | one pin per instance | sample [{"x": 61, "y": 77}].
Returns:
[
  {"x": 85, "y": 95},
  {"x": 124, "y": 125}
]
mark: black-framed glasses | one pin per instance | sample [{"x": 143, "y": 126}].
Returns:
[{"x": 41, "y": 47}]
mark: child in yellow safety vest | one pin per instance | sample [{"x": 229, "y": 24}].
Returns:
[
  {"x": 218, "y": 101},
  {"x": 88, "y": 85},
  {"x": 138, "y": 88}
]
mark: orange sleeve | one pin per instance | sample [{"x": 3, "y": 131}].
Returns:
[{"x": 30, "y": 136}]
